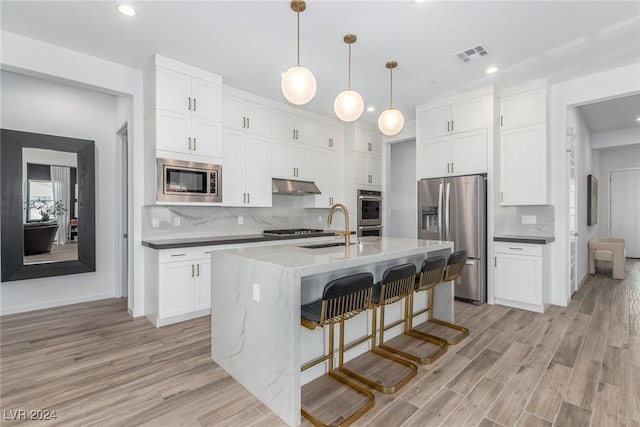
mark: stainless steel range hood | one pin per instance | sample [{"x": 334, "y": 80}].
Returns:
[{"x": 293, "y": 188}]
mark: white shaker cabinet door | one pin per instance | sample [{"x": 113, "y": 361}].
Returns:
[
  {"x": 436, "y": 122},
  {"x": 258, "y": 119},
  {"x": 176, "y": 288},
  {"x": 173, "y": 131},
  {"x": 258, "y": 171},
  {"x": 233, "y": 168},
  {"x": 173, "y": 91},
  {"x": 470, "y": 115},
  {"x": 518, "y": 278},
  {"x": 202, "y": 284},
  {"x": 469, "y": 153},
  {"x": 433, "y": 157},
  {"x": 207, "y": 98},
  {"x": 205, "y": 138}
]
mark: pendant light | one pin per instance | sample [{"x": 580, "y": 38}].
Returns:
[
  {"x": 298, "y": 83},
  {"x": 391, "y": 121},
  {"x": 349, "y": 104}
]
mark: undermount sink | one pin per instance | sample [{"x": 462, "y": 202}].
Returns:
[{"x": 325, "y": 245}]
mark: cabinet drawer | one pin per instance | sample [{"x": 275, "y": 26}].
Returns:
[
  {"x": 517, "y": 248},
  {"x": 186, "y": 254}
]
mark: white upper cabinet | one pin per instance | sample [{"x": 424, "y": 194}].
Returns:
[
  {"x": 247, "y": 116},
  {"x": 328, "y": 137},
  {"x": 183, "y": 109},
  {"x": 329, "y": 177},
  {"x": 458, "y": 117},
  {"x": 453, "y": 138},
  {"x": 524, "y": 147},
  {"x": 184, "y": 94},
  {"x": 293, "y": 162},
  {"x": 246, "y": 175},
  {"x": 368, "y": 142},
  {"x": 523, "y": 109},
  {"x": 289, "y": 129}
]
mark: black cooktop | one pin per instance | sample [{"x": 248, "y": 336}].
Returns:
[{"x": 292, "y": 232}]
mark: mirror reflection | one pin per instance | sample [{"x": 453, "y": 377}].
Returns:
[{"x": 50, "y": 199}]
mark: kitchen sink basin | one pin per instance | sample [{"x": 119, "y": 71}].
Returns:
[{"x": 325, "y": 245}]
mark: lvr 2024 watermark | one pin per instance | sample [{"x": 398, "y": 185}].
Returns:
[{"x": 29, "y": 414}]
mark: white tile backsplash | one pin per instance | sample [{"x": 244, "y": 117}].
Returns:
[
  {"x": 508, "y": 220},
  {"x": 203, "y": 221}
]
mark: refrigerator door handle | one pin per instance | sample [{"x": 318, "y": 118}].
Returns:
[
  {"x": 440, "y": 214},
  {"x": 447, "y": 213}
]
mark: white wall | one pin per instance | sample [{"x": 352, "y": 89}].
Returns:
[
  {"x": 43, "y": 107},
  {"x": 626, "y": 157},
  {"x": 595, "y": 87},
  {"x": 31, "y": 57},
  {"x": 615, "y": 138},
  {"x": 402, "y": 194},
  {"x": 587, "y": 163}
]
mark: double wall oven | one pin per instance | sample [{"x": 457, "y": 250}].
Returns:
[{"x": 369, "y": 213}]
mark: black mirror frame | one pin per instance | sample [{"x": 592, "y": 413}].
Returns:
[{"x": 11, "y": 205}]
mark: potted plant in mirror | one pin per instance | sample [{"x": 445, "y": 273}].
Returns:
[{"x": 46, "y": 208}]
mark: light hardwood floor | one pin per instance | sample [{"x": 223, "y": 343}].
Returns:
[{"x": 571, "y": 366}]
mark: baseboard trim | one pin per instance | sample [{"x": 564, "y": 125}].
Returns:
[
  {"x": 55, "y": 303},
  {"x": 560, "y": 302}
]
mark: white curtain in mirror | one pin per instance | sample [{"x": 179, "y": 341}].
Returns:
[{"x": 60, "y": 182}]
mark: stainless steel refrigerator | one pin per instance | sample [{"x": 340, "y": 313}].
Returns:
[{"x": 455, "y": 209}]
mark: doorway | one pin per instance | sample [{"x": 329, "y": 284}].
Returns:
[
  {"x": 402, "y": 194},
  {"x": 573, "y": 212},
  {"x": 624, "y": 205},
  {"x": 122, "y": 214}
]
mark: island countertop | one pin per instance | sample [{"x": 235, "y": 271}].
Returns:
[
  {"x": 256, "y": 294},
  {"x": 305, "y": 261}
]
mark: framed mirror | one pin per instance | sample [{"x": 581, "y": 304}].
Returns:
[{"x": 47, "y": 206}]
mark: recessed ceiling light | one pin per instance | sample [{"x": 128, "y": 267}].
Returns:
[
  {"x": 125, "y": 9},
  {"x": 371, "y": 109},
  {"x": 491, "y": 70}
]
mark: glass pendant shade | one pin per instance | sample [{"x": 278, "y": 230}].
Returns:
[
  {"x": 298, "y": 85},
  {"x": 348, "y": 105},
  {"x": 391, "y": 122}
]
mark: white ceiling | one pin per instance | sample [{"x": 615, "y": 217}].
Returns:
[{"x": 251, "y": 43}]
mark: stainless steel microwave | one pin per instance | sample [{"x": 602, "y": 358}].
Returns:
[{"x": 180, "y": 181}]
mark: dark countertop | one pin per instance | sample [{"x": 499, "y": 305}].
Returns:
[
  {"x": 538, "y": 240},
  {"x": 188, "y": 242}
]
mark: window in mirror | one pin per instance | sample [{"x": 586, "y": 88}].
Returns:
[{"x": 40, "y": 194}]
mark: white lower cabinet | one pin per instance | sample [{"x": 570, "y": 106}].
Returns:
[
  {"x": 184, "y": 287},
  {"x": 521, "y": 275}
]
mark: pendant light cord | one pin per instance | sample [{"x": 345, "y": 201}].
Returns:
[
  {"x": 391, "y": 88},
  {"x": 298, "y": 14},
  {"x": 349, "y": 81}
]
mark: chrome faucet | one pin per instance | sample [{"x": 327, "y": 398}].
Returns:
[{"x": 346, "y": 233}]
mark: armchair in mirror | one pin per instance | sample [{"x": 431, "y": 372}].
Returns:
[{"x": 47, "y": 206}]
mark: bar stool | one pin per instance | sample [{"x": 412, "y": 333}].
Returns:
[
  {"x": 377, "y": 368},
  {"x": 342, "y": 299},
  {"x": 397, "y": 284},
  {"x": 434, "y": 272}
]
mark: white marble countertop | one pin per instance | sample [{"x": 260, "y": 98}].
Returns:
[{"x": 306, "y": 261}]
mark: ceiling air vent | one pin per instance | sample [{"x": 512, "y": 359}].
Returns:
[{"x": 472, "y": 53}]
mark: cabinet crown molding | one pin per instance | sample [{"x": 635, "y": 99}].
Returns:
[
  {"x": 458, "y": 97},
  {"x": 163, "y": 61}
]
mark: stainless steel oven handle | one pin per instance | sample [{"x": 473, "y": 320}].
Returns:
[
  {"x": 370, "y": 227},
  {"x": 370, "y": 198}
]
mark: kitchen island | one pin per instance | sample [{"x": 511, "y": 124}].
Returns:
[{"x": 255, "y": 304}]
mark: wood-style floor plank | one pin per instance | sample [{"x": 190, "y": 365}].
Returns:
[{"x": 570, "y": 366}]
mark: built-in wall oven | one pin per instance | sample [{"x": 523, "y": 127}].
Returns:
[
  {"x": 369, "y": 213},
  {"x": 180, "y": 181}
]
